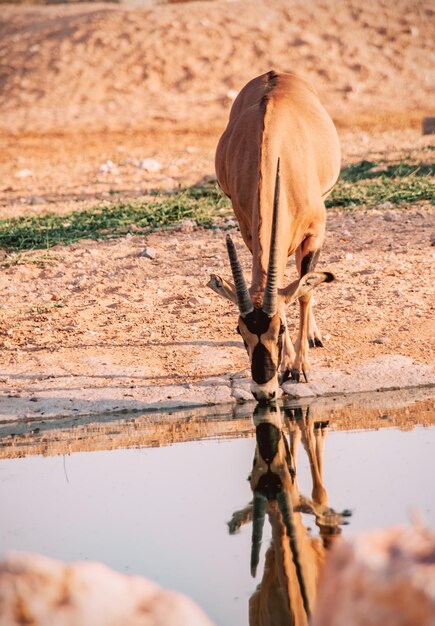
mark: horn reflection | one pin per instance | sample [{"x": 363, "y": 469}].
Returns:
[{"x": 287, "y": 592}]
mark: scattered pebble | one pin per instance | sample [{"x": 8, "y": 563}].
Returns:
[
  {"x": 36, "y": 200},
  {"x": 150, "y": 165},
  {"x": 149, "y": 253},
  {"x": 381, "y": 340},
  {"x": 388, "y": 216},
  {"x": 187, "y": 226},
  {"x": 24, "y": 173},
  {"x": 108, "y": 167}
]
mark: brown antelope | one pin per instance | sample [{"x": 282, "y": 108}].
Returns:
[
  {"x": 287, "y": 592},
  {"x": 277, "y": 160}
]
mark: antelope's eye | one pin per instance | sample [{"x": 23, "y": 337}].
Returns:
[{"x": 281, "y": 330}]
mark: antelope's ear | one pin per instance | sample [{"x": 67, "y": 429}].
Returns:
[
  {"x": 303, "y": 286},
  {"x": 222, "y": 287}
]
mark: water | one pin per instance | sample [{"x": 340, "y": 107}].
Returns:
[{"x": 162, "y": 512}]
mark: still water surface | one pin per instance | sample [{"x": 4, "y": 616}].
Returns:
[{"x": 163, "y": 512}]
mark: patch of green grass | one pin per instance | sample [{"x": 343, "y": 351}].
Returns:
[
  {"x": 370, "y": 169},
  {"x": 40, "y": 261},
  {"x": 42, "y": 310},
  {"x": 365, "y": 183},
  {"x": 205, "y": 205},
  {"x": 372, "y": 183}
]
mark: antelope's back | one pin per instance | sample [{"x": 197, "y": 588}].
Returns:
[{"x": 277, "y": 115}]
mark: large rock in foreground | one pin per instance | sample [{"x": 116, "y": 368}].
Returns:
[
  {"x": 40, "y": 591},
  {"x": 382, "y": 578}
]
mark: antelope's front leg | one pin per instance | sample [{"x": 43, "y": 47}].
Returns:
[
  {"x": 301, "y": 361},
  {"x": 288, "y": 357}
]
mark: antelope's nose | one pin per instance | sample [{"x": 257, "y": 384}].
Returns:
[{"x": 262, "y": 396}]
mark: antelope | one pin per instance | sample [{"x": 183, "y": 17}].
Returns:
[
  {"x": 277, "y": 160},
  {"x": 287, "y": 592}
]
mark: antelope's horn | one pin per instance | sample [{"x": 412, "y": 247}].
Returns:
[
  {"x": 270, "y": 299},
  {"x": 243, "y": 297},
  {"x": 286, "y": 508},
  {"x": 258, "y": 518}
]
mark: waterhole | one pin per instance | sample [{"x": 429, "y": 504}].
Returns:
[{"x": 153, "y": 494}]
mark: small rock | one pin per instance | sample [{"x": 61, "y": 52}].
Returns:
[
  {"x": 348, "y": 256},
  {"x": 188, "y": 226},
  {"x": 55, "y": 297},
  {"x": 150, "y": 165},
  {"x": 108, "y": 167},
  {"x": 36, "y": 200},
  {"x": 385, "y": 577},
  {"x": 381, "y": 340},
  {"x": 388, "y": 216},
  {"x": 24, "y": 173},
  {"x": 149, "y": 253},
  {"x": 299, "y": 41},
  {"x": 93, "y": 594}
]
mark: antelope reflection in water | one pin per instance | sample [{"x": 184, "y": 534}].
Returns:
[{"x": 293, "y": 561}]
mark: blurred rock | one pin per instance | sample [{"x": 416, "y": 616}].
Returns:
[
  {"x": 187, "y": 226},
  {"x": 108, "y": 167},
  {"x": 381, "y": 340},
  {"x": 43, "y": 592},
  {"x": 24, "y": 173},
  {"x": 150, "y": 165},
  {"x": 388, "y": 216},
  {"x": 36, "y": 200},
  {"x": 149, "y": 253},
  {"x": 382, "y": 578}
]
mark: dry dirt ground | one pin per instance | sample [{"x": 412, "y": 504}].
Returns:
[{"x": 85, "y": 84}]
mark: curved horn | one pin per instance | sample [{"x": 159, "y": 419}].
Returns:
[
  {"x": 258, "y": 517},
  {"x": 286, "y": 508},
  {"x": 270, "y": 299},
  {"x": 243, "y": 298}
]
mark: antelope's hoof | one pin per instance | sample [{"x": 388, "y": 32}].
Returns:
[
  {"x": 346, "y": 513},
  {"x": 315, "y": 342},
  {"x": 286, "y": 375},
  {"x": 295, "y": 374}
]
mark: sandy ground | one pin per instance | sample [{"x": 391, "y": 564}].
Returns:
[
  {"x": 110, "y": 67},
  {"x": 85, "y": 84}
]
